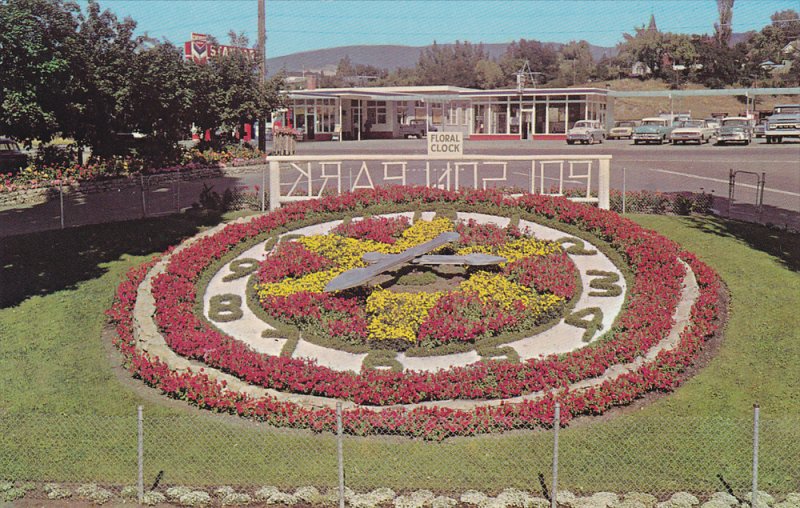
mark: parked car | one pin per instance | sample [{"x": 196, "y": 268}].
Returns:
[
  {"x": 760, "y": 130},
  {"x": 587, "y": 132},
  {"x": 12, "y": 159},
  {"x": 735, "y": 129},
  {"x": 622, "y": 129},
  {"x": 652, "y": 130},
  {"x": 691, "y": 130},
  {"x": 714, "y": 124}
]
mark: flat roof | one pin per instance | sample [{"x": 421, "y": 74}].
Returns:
[{"x": 446, "y": 93}]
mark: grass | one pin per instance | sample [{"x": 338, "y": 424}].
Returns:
[
  {"x": 64, "y": 414},
  {"x": 636, "y": 108}
]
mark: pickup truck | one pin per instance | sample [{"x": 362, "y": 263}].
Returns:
[
  {"x": 586, "y": 132},
  {"x": 783, "y": 123},
  {"x": 735, "y": 129},
  {"x": 652, "y": 130},
  {"x": 416, "y": 129}
]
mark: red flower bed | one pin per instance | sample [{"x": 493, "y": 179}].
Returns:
[
  {"x": 379, "y": 229},
  {"x": 296, "y": 261},
  {"x": 646, "y": 321}
]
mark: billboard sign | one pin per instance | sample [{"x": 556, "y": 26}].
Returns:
[{"x": 199, "y": 50}]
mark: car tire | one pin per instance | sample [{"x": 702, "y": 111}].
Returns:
[
  {"x": 635, "y": 141},
  {"x": 570, "y": 142},
  {"x": 591, "y": 140}
]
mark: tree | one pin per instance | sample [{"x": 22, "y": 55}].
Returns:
[
  {"x": 489, "y": 74},
  {"x": 101, "y": 77},
  {"x": 449, "y": 64},
  {"x": 542, "y": 59},
  {"x": 160, "y": 101},
  {"x": 575, "y": 63},
  {"x": 788, "y": 21},
  {"x": 38, "y": 49},
  {"x": 646, "y": 46},
  {"x": 720, "y": 65},
  {"x": 724, "y": 29}
]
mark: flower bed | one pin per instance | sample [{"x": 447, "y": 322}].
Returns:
[
  {"x": 516, "y": 296},
  {"x": 658, "y": 276},
  {"x": 121, "y": 167}
]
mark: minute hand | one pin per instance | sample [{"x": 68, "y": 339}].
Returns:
[{"x": 358, "y": 276}]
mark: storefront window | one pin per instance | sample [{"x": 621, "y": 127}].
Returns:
[
  {"x": 376, "y": 112},
  {"x": 540, "y": 118},
  {"x": 515, "y": 118},
  {"x": 499, "y": 119},
  {"x": 479, "y": 113},
  {"x": 576, "y": 111},
  {"x": 556, "y": 118}
]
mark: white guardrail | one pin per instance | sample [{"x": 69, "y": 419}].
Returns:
[{"x": 310, "y": 177}]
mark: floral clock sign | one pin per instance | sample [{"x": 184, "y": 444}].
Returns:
[{"x": 480, "y": 311}]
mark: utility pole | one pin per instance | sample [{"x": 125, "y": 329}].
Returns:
[{"x": 262, "y": 50}]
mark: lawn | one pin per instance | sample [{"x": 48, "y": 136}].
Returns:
[{"x": 66, "y": 415}]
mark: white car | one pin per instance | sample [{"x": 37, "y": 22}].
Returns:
[
  {"x": 735, "y": 129},
  {"x": 623, "y": 129},
  {"x": 587, "y": 132},
  {"x": 696, "y": 131}
]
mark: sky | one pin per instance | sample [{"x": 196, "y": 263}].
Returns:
[{"x": 303, "y": 25}]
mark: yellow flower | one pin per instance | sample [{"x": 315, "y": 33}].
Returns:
[
  {"x": 515, "y": 249},
  {"x": 398, "y": 315},
  {"x": 421, "y": 232}
]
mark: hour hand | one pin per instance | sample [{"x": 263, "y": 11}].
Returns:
[{"x": 358, "y": 276}]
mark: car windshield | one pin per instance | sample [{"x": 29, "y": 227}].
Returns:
[
  {"x": 7, "y": 146},
  {"x": 626, "y": 124},
  {"x": 692, "y": 123},
  {"x": 584, "y": 125},
  {"x": 792, "y": 110},
  {"x": 735, "y": 123},
  {"x": 656, "y": 123}
]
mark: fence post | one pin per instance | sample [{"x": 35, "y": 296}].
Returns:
[
  {"x": 554, "y": 488},
  {"x": 604, "y": 184},
  {"x": 61, "y": 199},
  {"x": 140, "y": 454},
  {"x": 624, "y": 188},
  {"x": 339, "y": 453},
  {"x": 178, "y": 192},
  {"x": 754, "y": 498},
  {"x": 141, "y": 186},
  {"x": 274, "y": 185},
  {"x": 263, "y": 187}
]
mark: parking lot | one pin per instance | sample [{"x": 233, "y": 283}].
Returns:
[{"x": 665, "y": 168}]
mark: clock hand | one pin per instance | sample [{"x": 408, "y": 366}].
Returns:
[
  {"x": 358, "y": 276},
  {"x": 474, "y": 259}
]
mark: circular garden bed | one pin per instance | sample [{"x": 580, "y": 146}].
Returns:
[{"x": 423, "y": 310}]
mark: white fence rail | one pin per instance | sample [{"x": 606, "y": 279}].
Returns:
[{"x": 300, "y": 178}]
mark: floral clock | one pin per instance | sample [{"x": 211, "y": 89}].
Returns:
[{"x": 426, "y": 313}]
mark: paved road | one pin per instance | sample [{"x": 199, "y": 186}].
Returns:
[{"x": 636, "y": 167}]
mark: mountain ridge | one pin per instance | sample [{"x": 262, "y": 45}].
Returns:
[{"x": 385, "y": 56}]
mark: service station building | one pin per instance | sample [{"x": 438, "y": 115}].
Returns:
[{"x": 379, "y": 112}]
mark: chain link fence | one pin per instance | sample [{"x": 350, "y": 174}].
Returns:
[{"x": 627, "y": 453}]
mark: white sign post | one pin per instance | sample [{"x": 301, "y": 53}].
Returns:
[{"x": 445, "y": 144}]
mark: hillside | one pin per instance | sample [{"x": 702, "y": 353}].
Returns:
[
  {"x": 381, "y": 56},
  {"x": 635, "y": 108}
]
